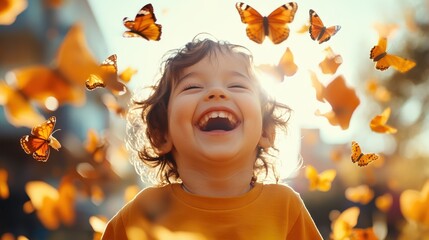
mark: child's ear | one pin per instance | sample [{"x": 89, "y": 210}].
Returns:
[
  {"x": 268, "y": 136},
  {"x": 165, "y": 147}
]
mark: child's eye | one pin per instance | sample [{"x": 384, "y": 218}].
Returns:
[
  {"x": 239, "y": 86},
  {"x": 190, "y": 87}
]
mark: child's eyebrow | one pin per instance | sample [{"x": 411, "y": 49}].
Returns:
[{"x": 228, "y": 73}]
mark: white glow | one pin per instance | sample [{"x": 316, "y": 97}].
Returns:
[{"x": 51, "y": 103}]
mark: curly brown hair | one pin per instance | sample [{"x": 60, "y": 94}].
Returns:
[{"x": 154, "y": 108}]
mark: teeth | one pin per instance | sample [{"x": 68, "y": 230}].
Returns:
[{"x": 217, "y": 114}]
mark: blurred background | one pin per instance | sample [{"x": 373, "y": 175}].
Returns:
[{"x": 49, "y": 47}]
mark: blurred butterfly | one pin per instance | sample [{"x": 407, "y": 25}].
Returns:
[
  {"x": 414, "y": 205},
  {"x": 364, "y": 234},
  {"x": 38, "y": 142},
  {"x": 378, "y": 123},
  {"x": 17, "y": 108},
  {"x": 96, "y": 146},
  {"x": 343, "y": 100},
  {"x": 274, "y": 26},
  {"x": 53, "y": 206},
  {"x": 331, "y": 62},
  {"x": 4, "y": 187},
  {"x": 342, "y": 227},
  {"x": 379, "y": 92},
  {"x": 361, "y": 158},
  {"x": 63, "y": 81},
  {"x": 384, "y": 202},
  {"x": 107, "y": 77},
  {"x": 143, "y": 25},
  {"x": 318, "y": 31},
  {"x": 384, "y": 60},
  {"x": 361, "y": 194},
  {"x": 285, "y": 67},
  {"x": 322, "y": 181}
]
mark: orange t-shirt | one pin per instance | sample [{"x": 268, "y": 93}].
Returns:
[{"x": 270, "y": 211}]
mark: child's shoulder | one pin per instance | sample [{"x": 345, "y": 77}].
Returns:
[
  {"x": 152, "y": 193},
  {"x": 281, "y": 191}
]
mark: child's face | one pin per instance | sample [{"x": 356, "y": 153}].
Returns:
[{"x": 214, "y": 111}]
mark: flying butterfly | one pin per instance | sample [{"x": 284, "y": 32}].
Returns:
[
  {"x": 384, "y": 60},
  {"x": 361, "y": 158},
  {"x": 318, "y": 31},
  {"x": 274, "y": 25},
  {"x": 320, "y": 181},
  {"x": 107, "y": 77},
  {"x": 62, "y": 81},
  {"x": 38, "y": 142},
  {"x": 143, "y": 25}
]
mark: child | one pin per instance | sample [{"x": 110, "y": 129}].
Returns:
[{"x": 209, "y": 130}]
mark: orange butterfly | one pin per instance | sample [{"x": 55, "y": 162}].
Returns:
[
  {"x": 342, "y": 227},
  {"x": 360, "y": 194},
  {"x": 285, "y": 67},
  {"x": 108, "y": 77},
  {"x": 62, "y": 81},
  {"x": 53, "y": 206},
  {"x": 143, "y": 25},
  {"x": 342, "y": 99},
  {"x": 378, "y": 123},
  {"x": 384, "y": 60},
  {"x": 40, "y": 139},
  {"x": 274, "y": 26},
  {"x": 414, "y": 205},
  {"x": 318, "y": 31},
  {"x": 320, "y": 181},
  {"x": 359, "y": 157},
  {"x": 331, "y": 62},
  {"x": 384, "y": 202}
]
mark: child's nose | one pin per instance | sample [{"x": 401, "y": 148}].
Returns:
[{"x": 216, "y": 94}]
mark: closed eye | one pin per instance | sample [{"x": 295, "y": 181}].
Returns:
[{"x": 190, "y": 87}]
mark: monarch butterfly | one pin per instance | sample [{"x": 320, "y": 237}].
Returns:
[
  {"x": 40, "y": 139},
  {"x": 384, "y": 60},
  {"x": 318, "y": 31},
  {"x": 143, "y": 25},
  {"x": 274, "y": 26},
  {"x": 107, "y": 77},
  {"x": 361, "y": 158}
]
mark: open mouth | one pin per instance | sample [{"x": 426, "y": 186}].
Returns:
[{"x": 218, "y": 120}]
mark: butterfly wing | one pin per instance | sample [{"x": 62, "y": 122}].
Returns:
[
  {"x": 75, "y": 61},
  {"x": 316, "y": 25},
  {"x": 356, "y": 152},
  {"x": 254, "y": 20},
  {"x": 17, "y": 108},
  {"x": 313, "y": 176},
  {"x": 399, "y": 63},
  {"x": 143, "y": 25},
  {"x": 278, "y": 31},
  {"x": 325, "y": 179},
  {"x": 286, "y": 64},
  {"x": 377, "y": 54},
  {"x": 107, "y": 77},
  {"x": 367, "y": 158},
  {"x": 318, "y": 31}
]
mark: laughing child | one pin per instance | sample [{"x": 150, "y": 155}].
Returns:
[{"x": 209, "y": 131}]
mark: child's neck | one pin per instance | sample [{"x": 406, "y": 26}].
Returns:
[{"x": 217, "y": 185}]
